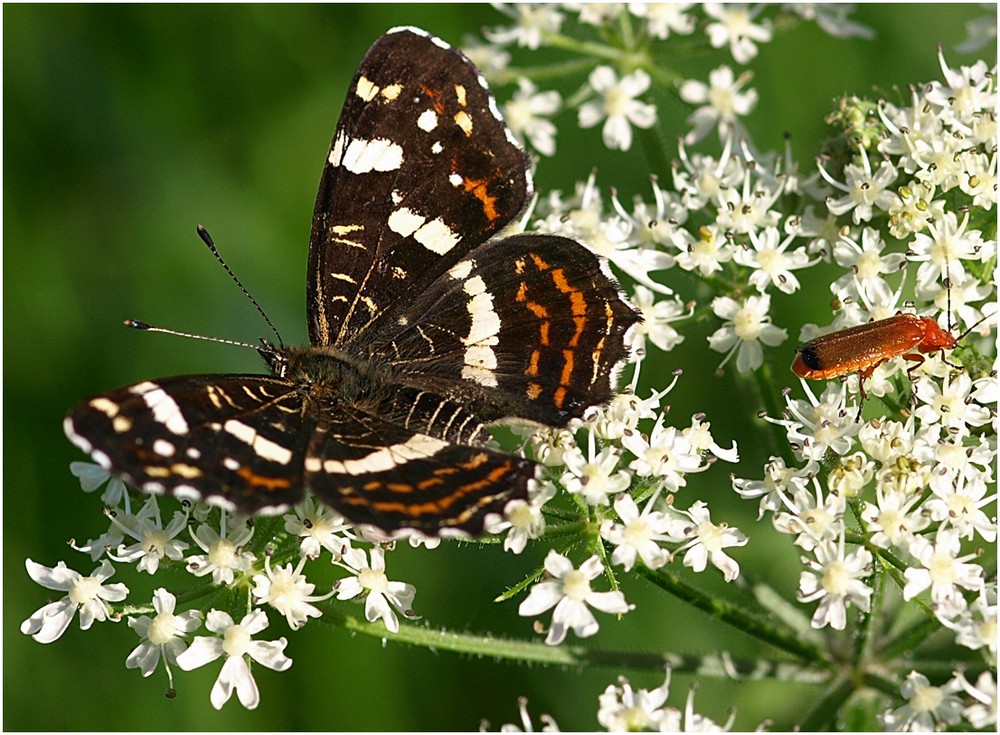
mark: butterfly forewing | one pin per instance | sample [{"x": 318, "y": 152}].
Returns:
[
  {"x": 237, "y": 440},
  {"x": 421, "y": 169}
]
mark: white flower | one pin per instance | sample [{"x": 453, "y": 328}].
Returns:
[
  {"x": 617, "y": 102},
  {"x": 163, "y": 635},
  {"x": 983, "y": 712},
  {"x": 959, "y": 501},
  {"x": 623, "y": 709},
  {"x": 664, "y": 18},
  {"x": 747, "y": 325},
  {"x": 975, "y": 625},
  {"x": 92, "y": 476},
  {"x": 319, "y": 527},
  {"x": 533, "y": 21},
  {"x": 624, "y": 411},
  {"x": 965, "y": 94},
  {"x": 723, "y": 103},
  {"x": 657, "y": 317},
  {"x": 665, "y": 454},
  {"x": 813, "y": 518},
  {"x": 705, "y": 253},
  {"x": 638, "y": 534},
  {"x": 769, "y": 261},
  {"x": 735, "y": 27},
  {"x": 224, "y": 553},
  {"x": 596, "y": 478},
  {"x": 548, "y": 724},
  {"x": 820, "y": 424},
  {"x": 778, "y": 479},
  {"x": 863, "y": 190},
  {"x": 569, "y": 593},
  {"x": 522, "y": 519},
  {"x": 927, "y": 706},
  {"x": 699, "y": 433},
  {"x": 750, "y": 206},
  {"x": 836, "y": 580},
  {"x": 832, "y": 18},
  {"x": 941, "y": 252},
  {"x": 894, "y": 518},
  {"x": 288, "y": 591},
  {"x": 235, "y": 642},
  {"x": 153, "y": 540},
  {"x": 381, "y": 595},
  {"x": 89, "y": 595},
  {"x": 526, "y": 115},
  {"x": 706, "y": 540},
  {"x": 864, "y": 261},
  {"x": 941, "y": 568}
]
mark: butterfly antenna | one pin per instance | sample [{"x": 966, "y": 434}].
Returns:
[
  {"x": 207, "y": 239},
  {"x": 136, "y": 324}
]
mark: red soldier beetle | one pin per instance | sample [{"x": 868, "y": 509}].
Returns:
[{"x": 863, "y": 348}]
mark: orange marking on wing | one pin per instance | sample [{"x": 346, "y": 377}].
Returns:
[
  {"x": 479, "y": 188},
  {"x": 559, "y": 397},
  {"x": 539, "y": 263},
  {"x": 567, "y": 367},
  {"x": 543, "y": 334},
  {"x": 268, "y": 483},
  {"x": 435, "y": 95},
  {"x": 532, "y": 369}
]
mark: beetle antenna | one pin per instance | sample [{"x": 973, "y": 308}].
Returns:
[
  {"x": 210, "y": 243},
  {"x": 968, "y": 331}
]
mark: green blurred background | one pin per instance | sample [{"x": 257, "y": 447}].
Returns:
[{"x": 124, "y": 127}]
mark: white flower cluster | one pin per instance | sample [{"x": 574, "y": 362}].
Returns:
[{"x": 232, "y": 558}]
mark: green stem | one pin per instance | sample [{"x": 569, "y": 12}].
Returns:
[
  {"x": 824, "y": 712},
  {"x": 745, "y": 620},
  {"x": 576, "y": 656}
]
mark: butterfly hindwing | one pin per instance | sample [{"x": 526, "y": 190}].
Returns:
[
  {"x": 421, "y": 169},
  {"x": 235, "y": 440},
  {"x": 530, "y": 326},
  {"x": 376, "y": 468}
]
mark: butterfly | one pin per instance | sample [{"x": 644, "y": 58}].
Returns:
[{"x": 425, "y": 326}]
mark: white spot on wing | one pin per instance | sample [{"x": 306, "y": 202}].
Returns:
[
  {"x": 121, "y": 424},
  {"x": 405, "y": 221},
  {"x": 265, "y": 448},
  {"x": 464, "y": 122},
  {"x": 163, "y": 448},
  {"x": 366, "y": 90},
  {"x": 427, "y": 121},
  {"x": 165, "y": 409},
  {"x": 436, "y": 236},
  {"x": 336, "y": 151},
  {"x": 378, "y": 154},
  {"x": 392, "y": 91},
  {"x": 418, "y": 446},
  {"x": 461, "y": 270},
  {"x": 105, "y": 405},
  {"x": 480, "y": 359}
]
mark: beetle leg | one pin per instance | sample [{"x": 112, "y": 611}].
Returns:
[
  {"x": 863, "y": 375},
  {"x": 917, "y": 360}
]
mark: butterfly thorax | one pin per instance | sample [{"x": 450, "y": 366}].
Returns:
[{"x": 353, "y": 379}]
